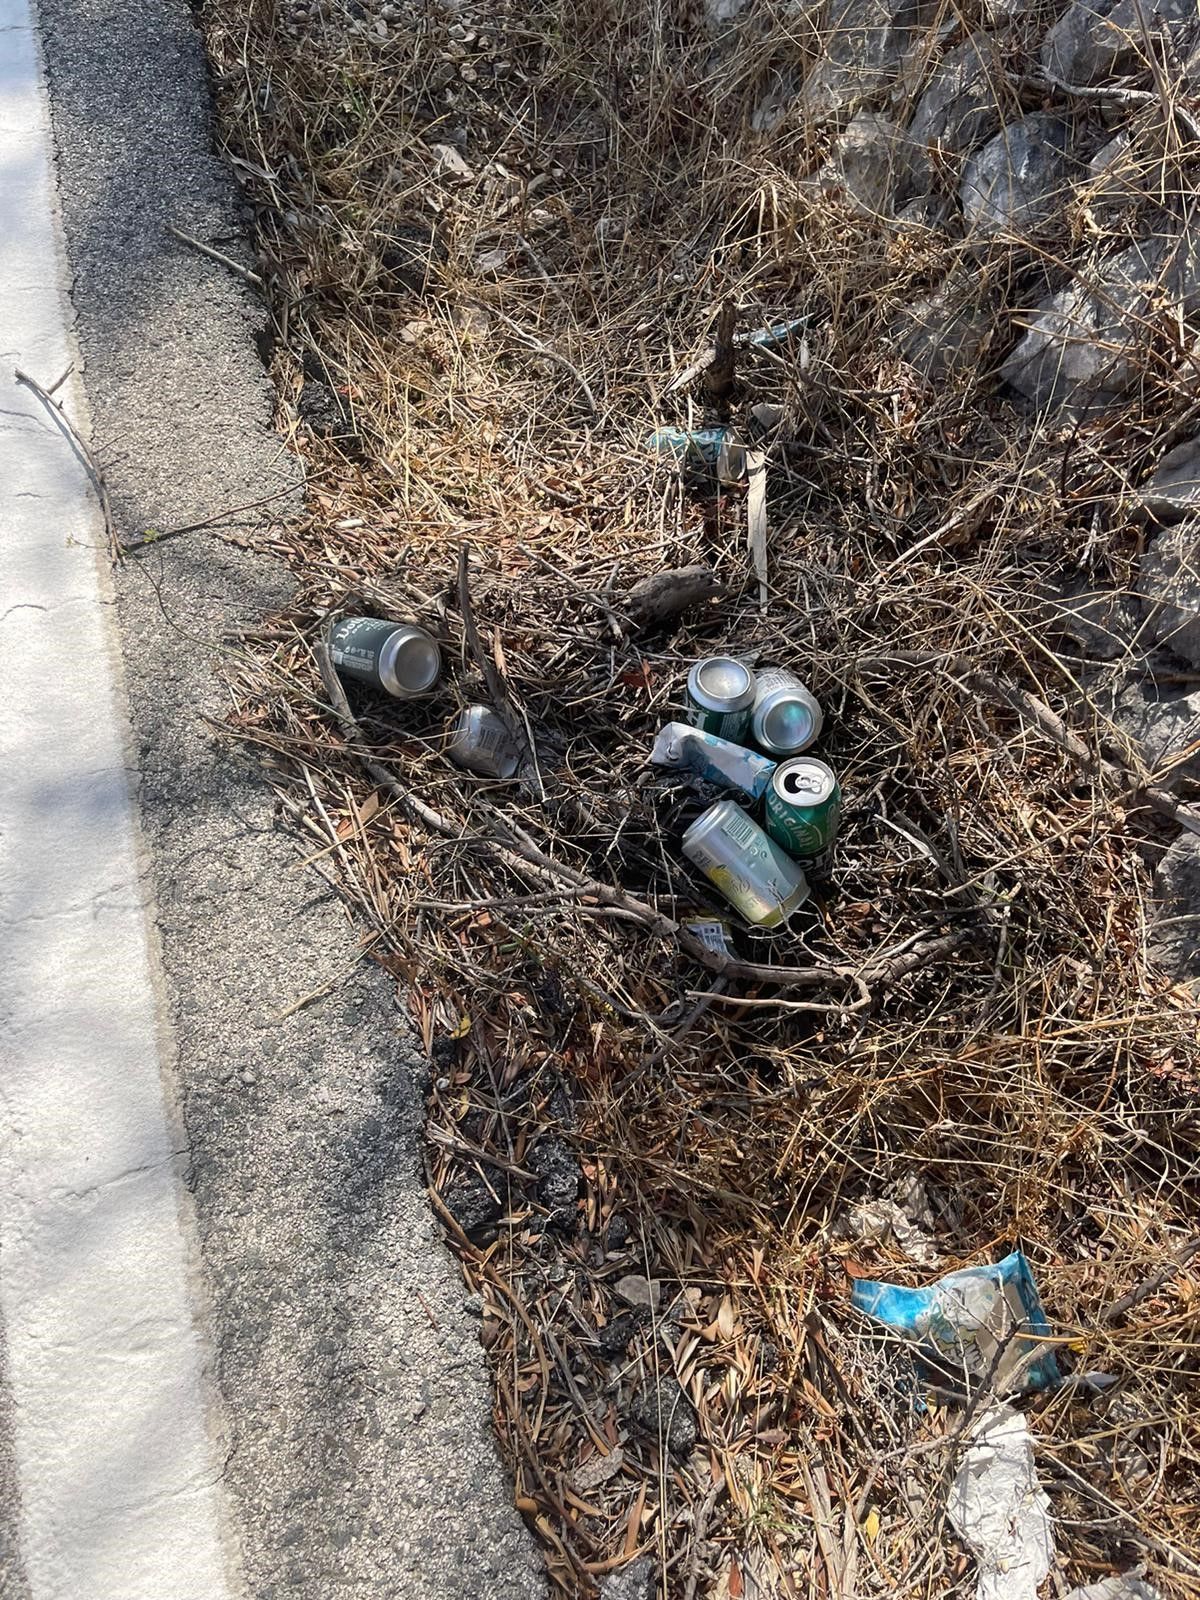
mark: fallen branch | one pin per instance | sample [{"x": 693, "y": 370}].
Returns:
[
  {"x": 91, "y": 465},
  {"x": 1154, "y": 1282},
  {"x": 665, "y": 595},
  {"x": 235, "y": 267}
]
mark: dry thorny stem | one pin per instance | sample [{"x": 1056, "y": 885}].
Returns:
[{"x": 486, "y": 250}]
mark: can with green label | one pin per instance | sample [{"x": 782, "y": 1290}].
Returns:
[
  {"x": 720, "y": 697},
  {"x": 803, "y": 802}
]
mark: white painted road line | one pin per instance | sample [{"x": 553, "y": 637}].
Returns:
[{"x": 117, "y": 1464}]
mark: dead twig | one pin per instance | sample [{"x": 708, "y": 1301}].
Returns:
[
  {"x": 246, "y": 275},
  {"x": 84, "y": 450}
]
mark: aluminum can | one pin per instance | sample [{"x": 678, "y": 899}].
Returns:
[
  {"x": 478, "y": 740},
  {"x": 397, "y": 657},
  {"x": 715, "y": 760},
  {"x": 749, "y": 869},
  {"x": 802, "y": 806},
  {"x": 785, "y": 718},
  {"x": 720, "y": 695}
]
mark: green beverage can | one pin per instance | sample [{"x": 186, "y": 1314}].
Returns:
[
  {"x": 720, "y": 697},
  {"x": 802, "y": 806}
]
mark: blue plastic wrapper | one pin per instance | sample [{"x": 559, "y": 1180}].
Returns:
[{"x": 962, "y": 1320}]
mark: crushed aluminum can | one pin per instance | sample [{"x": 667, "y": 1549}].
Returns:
[
  {"x": 397, "y": 657},
  {"x": 478, "y": 740},
  {"x": 714, "y": 449},
  {"x": 716, "y": 760},
  {"x": 786, "y": 718},
  {"x": 749, "y": 869},
  {"x": 719, "y": 697},
  {"x": 778, "y": 333}
]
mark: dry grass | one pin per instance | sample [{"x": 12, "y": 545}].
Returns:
[{"x": 1030, "y": 1068}]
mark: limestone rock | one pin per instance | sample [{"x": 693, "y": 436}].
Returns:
[
  {"x": 867, "y": 43},
  {"x": 1174, "y": 490},
  {"x": 1163, "y": 732},
  {"x": 1113, "y": 176},
  {"x": 1083, "y": 348},
  {"x": 1017, "y": 181},
  {"x": 959, "y": 109},
  {"x": 947, "y": 333},
  {"x": 1175, "y": 930},
  {"x": 863, "y": 167},
  {"x": 1096, "y": 39},
  {"x": 1105, "y": 624},
  {"x": 1169, "y": 580}
]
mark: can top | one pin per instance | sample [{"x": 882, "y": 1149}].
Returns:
[
  {"x": 804, "y": 782},
  {"x": 785, "y": 721},
  {"x": 719, "y": 683},
  {"x": 412, "y": 658}
]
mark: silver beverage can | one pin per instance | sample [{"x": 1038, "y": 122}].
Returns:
[
  {"x": 478, "y": 740},
  {"x": 397, "y": 657},
  {"x": 751, "y": 871},
  {"x": 786, "y": 718},
  {"x": 720, "y": 693}
]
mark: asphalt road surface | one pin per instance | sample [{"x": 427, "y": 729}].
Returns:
[{"x": 344, "y": 1402}]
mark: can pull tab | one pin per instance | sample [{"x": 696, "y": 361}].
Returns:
[{"x": 802, "y": 783}]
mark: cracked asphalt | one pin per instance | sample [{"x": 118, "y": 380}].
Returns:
[{"x": 354, "y": 1412}]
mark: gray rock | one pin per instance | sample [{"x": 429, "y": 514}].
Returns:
[
  {"x": 1086, "y": 344},
  {"x": 863, "y": 168},
  {"x": 1105, "y": 624},
  {"x": 662, "y": 1410},
  {"x": 1174, "y": 490},
  {"x": 1169, "y": 580},
  {"x": 867, "y": 41},
  {"x": 1175, "y": 927},
  {"x": 947, "y": 333},
  {"x": 1114, "y": 175},
  {"x": 959, "y": 109},
  {"x": 1163, "y": 732},
  {"x": 1096, "y": 39},
  {"x": 927, "y": 211},
  {"x": 634, "y": 1582},
  {"x": 1016, "y": 183}
]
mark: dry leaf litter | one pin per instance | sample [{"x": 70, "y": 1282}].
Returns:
[{"x": 489, "y": 239}]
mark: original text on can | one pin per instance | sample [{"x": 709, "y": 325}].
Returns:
[
  {"x": 720, "y": 697},
  {"x": 803, "y": 802},
  {"x": 397, "y": 657},
  {"x": 785, "y": 718},
  {"x": 749, "y": 869}
]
